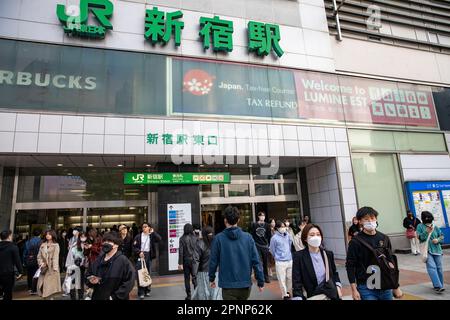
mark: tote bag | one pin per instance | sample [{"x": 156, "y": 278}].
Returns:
[
  {"x": 424, "y": 248},
  {"x": 144, "y": 276}
]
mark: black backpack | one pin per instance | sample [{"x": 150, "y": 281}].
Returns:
[
  {"x": 386, "y": 261},
  {"x": 33, "y": 251}
]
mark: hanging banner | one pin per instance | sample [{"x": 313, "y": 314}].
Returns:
[{"x": 178, "y": 214}]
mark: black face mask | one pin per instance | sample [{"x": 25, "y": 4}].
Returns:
[{"x": 107, "y": 247}]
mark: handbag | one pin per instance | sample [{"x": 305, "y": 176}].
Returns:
[
  {"x": 424, "y": 247},
  {"x": 43, "y": 269},
  {"x": 326, "y": 290},
  {"x": 410, "y": 233},
  {"x": 144, "y": 276}
]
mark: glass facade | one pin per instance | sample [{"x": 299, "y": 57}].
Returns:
[
  {"x": 76, "y": 184},
  {"x": 396, "y": 141},
  {"x": 47, "y": 77},
  {"x": 378, "y": 185}
]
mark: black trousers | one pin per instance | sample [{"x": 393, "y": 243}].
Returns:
[
  {"x": 236, "y": 294},
  {"x": 31, "y": 282},
  {"x": 188, "y": 271},
  {"x": 7, "y": 283},
  {"x": 143, "y": 290},
  {"x": 264, "y": 255}
]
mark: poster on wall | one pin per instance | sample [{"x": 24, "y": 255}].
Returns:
[
  {"x": 429, "y": 201},
  {"x": 446, "y": 199},
  {"x": 178, "y": 214}
]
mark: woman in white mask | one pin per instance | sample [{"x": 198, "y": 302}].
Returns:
[
  {"x": 280, "y": 248},
  {"x": 431, "y": 238},
  {"x": 314, "y": 274}
]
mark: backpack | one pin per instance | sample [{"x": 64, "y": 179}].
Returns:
[
  {"x": 386, "y": 261},
  {"x": 33, "y": 251}
]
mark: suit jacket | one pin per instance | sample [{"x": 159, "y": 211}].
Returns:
[
  {"x": 154, "y": 238},
  {"x": 304, "y": 276}
]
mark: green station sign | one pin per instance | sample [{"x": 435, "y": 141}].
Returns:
[
  {"x": 160, "y": 27},
  {"x": 177, "y": 178}
]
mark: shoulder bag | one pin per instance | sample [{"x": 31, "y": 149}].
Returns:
[{"x": 424, "y": 247}]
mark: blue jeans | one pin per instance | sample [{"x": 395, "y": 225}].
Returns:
[
  {"x": 434, "y": 268},
  {"x": 374, "y": 294},
  {"x": 148, "y": 261}
]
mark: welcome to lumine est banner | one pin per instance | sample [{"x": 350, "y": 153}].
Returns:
[{"x": 222, "y": 88}]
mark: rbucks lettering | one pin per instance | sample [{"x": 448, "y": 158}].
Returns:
[{"x": 47, "y": 80}]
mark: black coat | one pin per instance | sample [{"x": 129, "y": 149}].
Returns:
[
  {"x": 186, "y": 251},
  {"x": 154, "y": 238},
  {"x": 9, "y": 258},
  {"x": 117, "y": 277},
  {"x": 304, "y": 276},
  {"x": 127, "y": 246},
  {"x": 201, "y": 259}
]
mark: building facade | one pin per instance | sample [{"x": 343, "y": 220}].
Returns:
[{"x": 168, "y": 111}]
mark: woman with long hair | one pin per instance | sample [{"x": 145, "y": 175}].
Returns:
[
  {"x": 49, "y": 282},
  {"x": 203, "y": 291},
  {"x": 74, "y": 283}
]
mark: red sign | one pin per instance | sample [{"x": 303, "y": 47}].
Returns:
[{"x": 324, "y": 96}]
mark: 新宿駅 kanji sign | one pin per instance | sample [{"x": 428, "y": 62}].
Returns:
[
  {"x": 177, "y": 178},
  {"x": 215, "y": 33}
]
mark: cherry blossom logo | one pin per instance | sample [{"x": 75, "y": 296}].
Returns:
[{"x": 198, "y": 82}]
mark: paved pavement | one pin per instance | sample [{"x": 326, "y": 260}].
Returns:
[{"x": 414, "y": 281}]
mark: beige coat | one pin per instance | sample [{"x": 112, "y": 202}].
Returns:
[{"x": 50, "y": 282}]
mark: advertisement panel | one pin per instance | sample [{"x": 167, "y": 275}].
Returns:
[
  {"x": 232, "y": 89},
  {"x": 63, "y": 78}
]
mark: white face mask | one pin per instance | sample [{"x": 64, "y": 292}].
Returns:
[
  {"x": 75, "y": 233},
  {"x": 287, "y": 224},
  {"x": 83, "y": 239},
  {"x": 314, "y": 241},
  {"x": 282, "y": 230},
  {"x": 64, "y": 234},
  {"x": 370, "y": 226}
]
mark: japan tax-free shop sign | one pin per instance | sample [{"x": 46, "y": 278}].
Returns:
[{"x": 234, "y": 89}]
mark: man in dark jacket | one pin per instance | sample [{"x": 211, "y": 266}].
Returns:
[
  {"x": 234, "y": 252},
  {"x": 186, "y": 257},
  {"x": 112, "y": 274},
  {"x": 360, "y": 263},
  {"x": 261, "y": 235},
  {"x": 30, "y": 254},
  {"x": 9, "y": 258},
  {"x": 144, "y": 248}
]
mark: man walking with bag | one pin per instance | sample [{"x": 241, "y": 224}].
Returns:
[
  {"x": 144, "y": 247},
  {"x": 371, "y": 250}
]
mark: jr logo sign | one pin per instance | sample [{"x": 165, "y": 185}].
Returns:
[{"x": 77, "y": 24}]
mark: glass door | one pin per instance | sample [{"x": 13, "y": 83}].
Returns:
[{"x": 57, "y": 219}]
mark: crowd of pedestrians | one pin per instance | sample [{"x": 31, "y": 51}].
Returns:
[{"x": 107, "y": 265}]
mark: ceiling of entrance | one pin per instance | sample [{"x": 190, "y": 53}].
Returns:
[{"x": 84, "y": 161}]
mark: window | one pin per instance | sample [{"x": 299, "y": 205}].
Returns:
[
  {"x": 238, "y": 190},
  {"x": 368, "y": 140},
  {"x": 378, "y": 185},
  {"x": 264, "y": 189},
  {"x": 287, "y": 188},
  {"x": 212, "y": 190}
]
